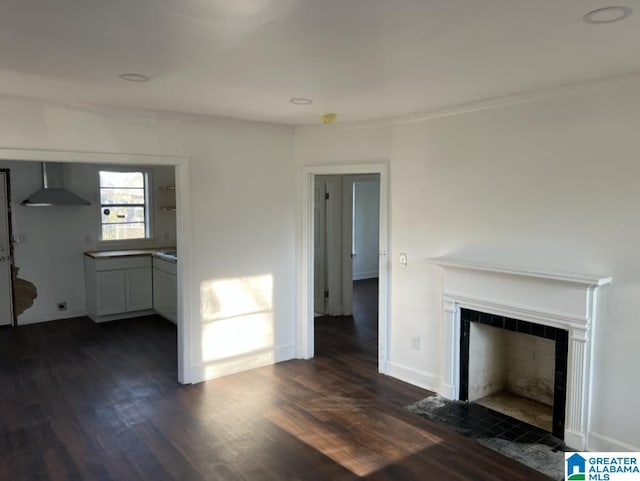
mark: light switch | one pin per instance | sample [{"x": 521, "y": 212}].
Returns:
[{"x": 403, "y": 260}]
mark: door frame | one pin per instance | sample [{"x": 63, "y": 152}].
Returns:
[
  {"x": 305, "y": 345},
  {"x": 7, "y": 177},
  {"x": 183, "y": 225}
]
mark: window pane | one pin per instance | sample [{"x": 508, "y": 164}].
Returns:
[
  {"x": 120, "y": 215},
  {"x": 121, "y": 179},
  {"x": 123, "y": 231},
  {"x": 121, "y": 196}
]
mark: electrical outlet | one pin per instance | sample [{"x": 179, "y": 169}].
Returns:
[
  {"x": 403, "y": 260},
  {"x": 415, "y": 343},
  {"x": 62, "y": 306}
]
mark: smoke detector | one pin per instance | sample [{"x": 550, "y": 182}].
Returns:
[{"x": 328, "y": 119}]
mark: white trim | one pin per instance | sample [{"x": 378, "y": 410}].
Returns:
[
  {"x": 54, "y": 316},
  {"x": 535, "y": 297},
  {"x": 490, "y": 103},
  {"x": 76, "y": 156},
  {"x": 252, "y": 360},
  {"x": 354, "y": 125},
  {"x": 425, "y": 380},
  {"x": 552, "y": 319},
  {"x": 305, "y": 346},
  {"x": 598, "y": 442},
  {"x": 115, "y": 317},
  {"x": 183, "y": 223},
  {"x": 580, "y": 279}
]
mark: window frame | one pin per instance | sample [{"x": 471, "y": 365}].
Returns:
[{"x": 148, "y": 205}]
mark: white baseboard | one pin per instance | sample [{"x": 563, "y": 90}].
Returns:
[
  {"x": 598, "y": 442},
  {"x": 117, "y": 317},
  {"x": 422, "y": 379},
  {"x": 52, "y": 316},
  {"x": 226, "y": 367},
  {"x": 447, "y": 391},
  {"x": 365, "y": 275},
  {"x": 575, "y": 441}
]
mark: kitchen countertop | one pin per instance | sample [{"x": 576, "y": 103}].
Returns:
[{"x": 130, "y": 252}]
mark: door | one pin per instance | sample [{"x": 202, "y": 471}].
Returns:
[
  {"x": 320, "y": 246},
  {"x": 6, "y": 284}
]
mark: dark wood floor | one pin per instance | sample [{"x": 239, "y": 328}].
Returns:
[{"x": 86, "y": 401}]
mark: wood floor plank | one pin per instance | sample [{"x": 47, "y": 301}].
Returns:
[{"x": 101, "y": 402}]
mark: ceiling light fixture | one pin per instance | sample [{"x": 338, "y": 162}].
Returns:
[
  {"x": 134, "y": 77},
  {"x": 607, "y": 15},
  {"x": 300, "y": 101}
]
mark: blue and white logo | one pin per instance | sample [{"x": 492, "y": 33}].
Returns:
[
  {"x": 602, "y": 466},
  {"x": 576, "y": 466}
]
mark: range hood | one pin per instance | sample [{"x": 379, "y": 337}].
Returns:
[{"x": 53, "y": 191}]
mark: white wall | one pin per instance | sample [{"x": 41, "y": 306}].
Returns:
[
  {"x": 549, "y": 184},
  {"x": 52, "y": 240},
  {"x": 241, "y": 205},
  {"x": 366, "y": 227}
]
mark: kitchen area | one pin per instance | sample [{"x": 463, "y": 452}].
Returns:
[
  {"x": 101, "y": 256},
  {"x": 130, "y": 283}
]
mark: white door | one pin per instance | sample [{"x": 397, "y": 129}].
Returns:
[
  {"x": 6, "y": 292},
  {"x": 319, "y": 244}
]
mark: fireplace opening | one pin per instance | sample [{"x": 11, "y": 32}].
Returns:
[{"x": 515, "y": 367}]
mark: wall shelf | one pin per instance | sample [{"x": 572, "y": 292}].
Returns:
[{"x": 167, "y": 196}]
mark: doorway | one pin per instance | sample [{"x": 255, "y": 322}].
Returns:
[
  {"x": 183, "y": 226},
  {"x": 346, "y": 238},
  {"x": 346, "y": 252},
  {"x": 6, "y": 253},
  {"x": 341, "y": 297}
]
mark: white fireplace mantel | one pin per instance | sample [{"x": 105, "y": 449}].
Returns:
[{"x": 565, "y": 301}]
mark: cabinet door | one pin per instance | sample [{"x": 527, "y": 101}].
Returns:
[
  {"x": 111, "y": 292},
  {"x": 164, "y": 294},
  {"x": 139, "y": 289}
]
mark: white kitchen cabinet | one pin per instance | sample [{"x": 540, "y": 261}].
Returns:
[
  {"x": 165, "y": 289},
  {"x": 139, "y": 289},
  {"x": 118, "y": 287},
  {"x": 110, "y": 293}
]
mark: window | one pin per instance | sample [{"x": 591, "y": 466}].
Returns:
[{"x": 124, "y": 209}]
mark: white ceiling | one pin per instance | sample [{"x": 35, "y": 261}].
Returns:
[{"x": 363, "y": 59}]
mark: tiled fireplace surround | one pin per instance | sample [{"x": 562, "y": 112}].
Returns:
[
  {"x": 559, "y": 336},
  {"x": 566, "y": 303}
]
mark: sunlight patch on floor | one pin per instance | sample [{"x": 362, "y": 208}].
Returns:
[{"x": 330, "y": 433}]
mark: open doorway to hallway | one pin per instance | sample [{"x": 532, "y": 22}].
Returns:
[{"x": 346, "y": 264}]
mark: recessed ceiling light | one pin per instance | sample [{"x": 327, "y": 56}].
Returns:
[
  {"x": 300, "y": 101},
  {"x": 607, "y": 15},
  {"x": 134, "y": 77}
]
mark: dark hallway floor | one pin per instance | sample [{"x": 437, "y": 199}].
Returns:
[
  {"x": 86, "y": 401},
  {"x": 356, "y": 335}
]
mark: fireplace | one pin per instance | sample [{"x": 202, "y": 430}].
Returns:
[
  {"x": 563, "y": 308},
  {"x": 506, "y": 360}
]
